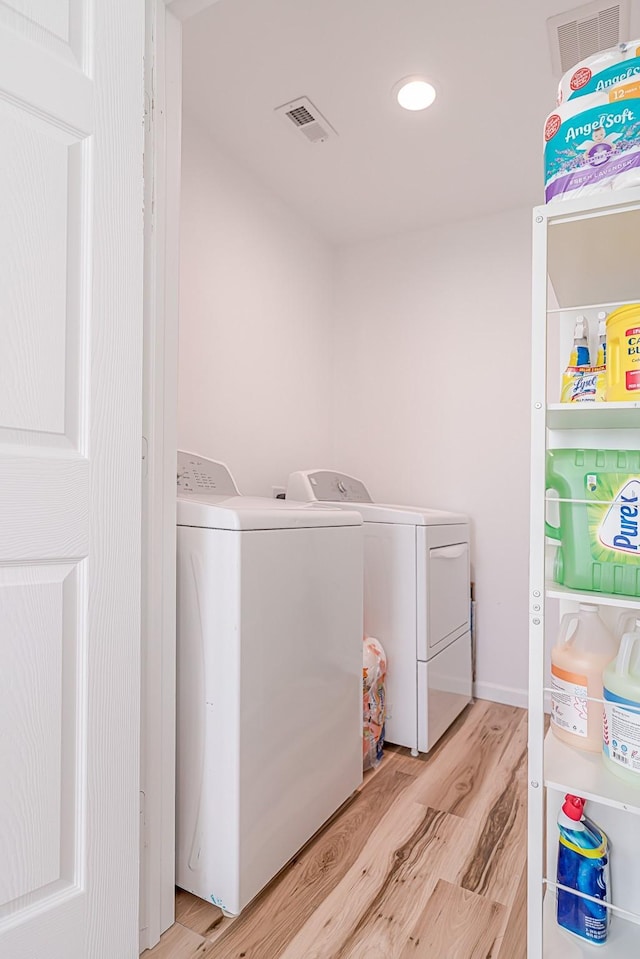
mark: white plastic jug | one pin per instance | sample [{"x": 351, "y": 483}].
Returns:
[
  {"x": 621, "y": 720},
  {"x": 584, "y": 647}
]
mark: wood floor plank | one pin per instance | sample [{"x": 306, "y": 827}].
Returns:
[
  {"x": 514, "y": 939},
  {"x": 458, "y": 776},
  {"x": 408, "y": 763},
  {"x": 373, "y": 909},
  {"x": 498, "y": 849},
  {"x": 456, "y": 924},
  {"x": 178, "y": 942},
  {"x": 268, "y": 924},
  {"x": 196, "y": 914},
  {"x": 428, "y": 844},
  {"x": 415, "y": 764}
]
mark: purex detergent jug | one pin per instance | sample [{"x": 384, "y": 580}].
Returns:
[{"x": 599, "y": 531}]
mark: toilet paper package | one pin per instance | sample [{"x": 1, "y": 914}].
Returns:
[
  {"x": 602, "y": 71},
  {"x": 592, "y": 144}
]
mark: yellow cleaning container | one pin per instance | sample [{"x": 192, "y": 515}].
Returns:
[{"x": 623, "y": 354}]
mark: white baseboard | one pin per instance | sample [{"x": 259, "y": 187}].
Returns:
[{"x": 507, "y": 695}]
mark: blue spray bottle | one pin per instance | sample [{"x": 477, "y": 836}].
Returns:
[
  {"x": 583, "y": 864},
  {"x": 578, "y": 384}
]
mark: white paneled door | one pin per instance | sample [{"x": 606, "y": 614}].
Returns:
[{"x": 71, "y": 106}]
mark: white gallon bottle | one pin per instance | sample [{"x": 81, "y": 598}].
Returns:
[
  {"x": 585, "y": 646},
  {"x": 621, "y": 721}
]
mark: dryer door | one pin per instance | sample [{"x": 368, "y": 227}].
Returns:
[{"x": 445, "y": 575}]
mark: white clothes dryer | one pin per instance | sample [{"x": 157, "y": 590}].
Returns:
[
  {"x": 416, "y": 602},
  {"x": 269, "y": 732}
]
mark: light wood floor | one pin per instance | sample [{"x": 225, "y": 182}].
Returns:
[{"x": 427, "y": 861}]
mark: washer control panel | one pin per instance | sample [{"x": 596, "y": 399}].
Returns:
[
  {"x": 327, "y": 486},
  {"x": 197, "y": 475}
]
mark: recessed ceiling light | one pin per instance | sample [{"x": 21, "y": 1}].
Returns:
[{"x": 414, "y": 93}]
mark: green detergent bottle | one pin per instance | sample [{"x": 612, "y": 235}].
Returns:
[{"x": 599, "y": 532}]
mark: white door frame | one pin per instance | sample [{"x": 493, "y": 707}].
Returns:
[
  {"x": 163, "y": 85},
  {"x": 162, "y": 198}
]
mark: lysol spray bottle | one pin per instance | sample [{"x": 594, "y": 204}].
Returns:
[
  {"x": 601, "y": 361},
  {"x": 602, "y": 339},
  {"x": 583, "y": 865},
  {"x": 578, "y": 382}
]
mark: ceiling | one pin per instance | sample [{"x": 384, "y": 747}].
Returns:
[{"x": 477, "y": 150}]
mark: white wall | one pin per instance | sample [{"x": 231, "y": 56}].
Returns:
[
  {"x": 404, "y": 361},
  {"x": 432, "y": 402},
  {"x": 255, "y": 324}
]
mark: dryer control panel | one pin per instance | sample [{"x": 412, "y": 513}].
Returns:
[
  {"x": 326, "y": 486},
  {"x": 197, "y": 475}
]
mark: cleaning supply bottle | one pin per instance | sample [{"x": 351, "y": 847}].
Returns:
[
  {"x": 600, "y": 368},
  {"x": 602, "y": 339},
  {"x": 623, "y": 354},
  {"x": 583, "y": 864},
  {"x": 578, "y": 386},
  {"x": 584, "y": 647},
  {"x": 598, "y": 496},
  {"x": 580, "y": 351},
  {"x": 621, "y": 720}
]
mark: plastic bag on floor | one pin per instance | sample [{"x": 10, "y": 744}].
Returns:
[{"x": 374, "y": 671}]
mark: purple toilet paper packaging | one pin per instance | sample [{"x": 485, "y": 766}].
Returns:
[{"x": 592, "y": 144}]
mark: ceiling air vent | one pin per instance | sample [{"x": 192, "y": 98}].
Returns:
[
  {"x": 585, "y": 30},
  {"x": 301, "y": 115}
]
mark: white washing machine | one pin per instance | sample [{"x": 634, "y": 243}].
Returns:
[
  {"x": 269, "y": 733},
  {"x": 416, "y": 602}
]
